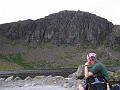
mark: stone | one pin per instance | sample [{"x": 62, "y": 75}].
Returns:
[
  {"x": 17, "y": 78},
  {"x": 28, "y": 78},
  {"x": 9, "y": 79},
  {"x": 38, "y": 77},
  {"x": 59, "y": 77},
  {"x": 2, "y": 79}
]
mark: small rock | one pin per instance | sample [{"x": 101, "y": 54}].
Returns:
[
  {"x": 66, "y": 85},
  {"x": 38, "y": 77},
  {"x": 9, "y": 79},
  {"x": 2, "y": 79},
  {"x": 59, "y": 77},
  {"x": 17, "y": 78},
  {"x": 117, "y": 71},
  {"x": 28, "y": 78}
]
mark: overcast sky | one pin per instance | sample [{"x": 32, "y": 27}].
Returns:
[{"x": 15, "y": 10}]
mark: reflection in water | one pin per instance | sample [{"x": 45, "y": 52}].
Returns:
[{"x": 35, "y": 88}]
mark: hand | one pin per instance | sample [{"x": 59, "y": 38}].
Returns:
[{"x": 87, "y": 64}]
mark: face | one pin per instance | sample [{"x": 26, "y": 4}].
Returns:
[{"x": 92, "y": 60}]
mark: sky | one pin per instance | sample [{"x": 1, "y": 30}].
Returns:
[{"x": 15, "y": 10}]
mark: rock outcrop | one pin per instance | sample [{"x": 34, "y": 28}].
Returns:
[
  {"x": 116, "y": 30},
  {"x": 65, "y": 27}
]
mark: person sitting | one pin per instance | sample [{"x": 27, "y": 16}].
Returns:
[{"x": 95, "y": 73}]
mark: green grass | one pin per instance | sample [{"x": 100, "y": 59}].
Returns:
[
  {"x": 110, "y": 62},
  {"x": 17, "y": 59},
  {"x": 74, "y": 65},
  {"x": 44, "y": 64},
  {"x": 41, "y": 64},
  {"x": 9, "y": 67},
  {"x": 117, "y": 48},
  {"x": 46, "y": 45}
]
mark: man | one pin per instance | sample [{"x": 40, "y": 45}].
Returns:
[{"x": 93, "y": 69}]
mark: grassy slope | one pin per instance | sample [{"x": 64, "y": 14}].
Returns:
[
  {"x": 5, "y": 65},
  {"x": 17, "y": 55},
  {"x": 49, "y": 56}
]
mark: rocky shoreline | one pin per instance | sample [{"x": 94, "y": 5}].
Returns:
[
  {"x": 67, "y": 82},
  {"x": 41, "y": 81}
]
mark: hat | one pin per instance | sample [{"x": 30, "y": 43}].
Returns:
[{"x": 91, "y": 55}]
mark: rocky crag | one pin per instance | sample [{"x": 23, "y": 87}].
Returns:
[{"x": 65, "y": 27}]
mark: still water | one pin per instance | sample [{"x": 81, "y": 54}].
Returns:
[{"x": 35, "y": 88}]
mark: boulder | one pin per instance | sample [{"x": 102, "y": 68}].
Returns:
[
  {"x": 9, "y": 79},
  {"x": 28, "y": 78},
  {"x": 17, "y": 78}
]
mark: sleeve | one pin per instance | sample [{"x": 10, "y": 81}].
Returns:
[{"x": 95, "y": 69}]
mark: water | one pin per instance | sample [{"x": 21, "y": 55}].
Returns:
[{"x": 35, "y": 88}]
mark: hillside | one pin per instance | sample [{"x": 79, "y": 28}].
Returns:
[{"x": 59, "y": 40}]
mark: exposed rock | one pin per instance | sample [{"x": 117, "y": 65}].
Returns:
[
  {"x": 65, "y": 27},
  {"x": 66, "y": 85},
  {"x": 17, "y": 78},
  {"x": 9, "y": 79},
  {"x": 78, "y": 73},
  {"x": 59, "y": 77},
  {"x": 113, "y": 39},
  {"x": 118, "y": 71},
  {"x": 48, "y": 80},
  {"x": 114, "y": 76},
  {"x": 2, "y": 79},
  {"x": 117, "y": 35},
  {"x": 114, "y": 69},
  {"x": 110, "y": 73},
  {"x": 28, "y": 78},
  {"x": 38, "y": 77}
]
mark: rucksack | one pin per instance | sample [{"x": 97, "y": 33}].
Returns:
[{"x": 95, "y": 83}]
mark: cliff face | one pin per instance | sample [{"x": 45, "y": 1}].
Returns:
[
  {"x": 65, "y": 27},
  {"x": 116, "y": 31}
]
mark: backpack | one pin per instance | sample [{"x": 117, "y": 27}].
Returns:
[{"x": 95, "y": 83}]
